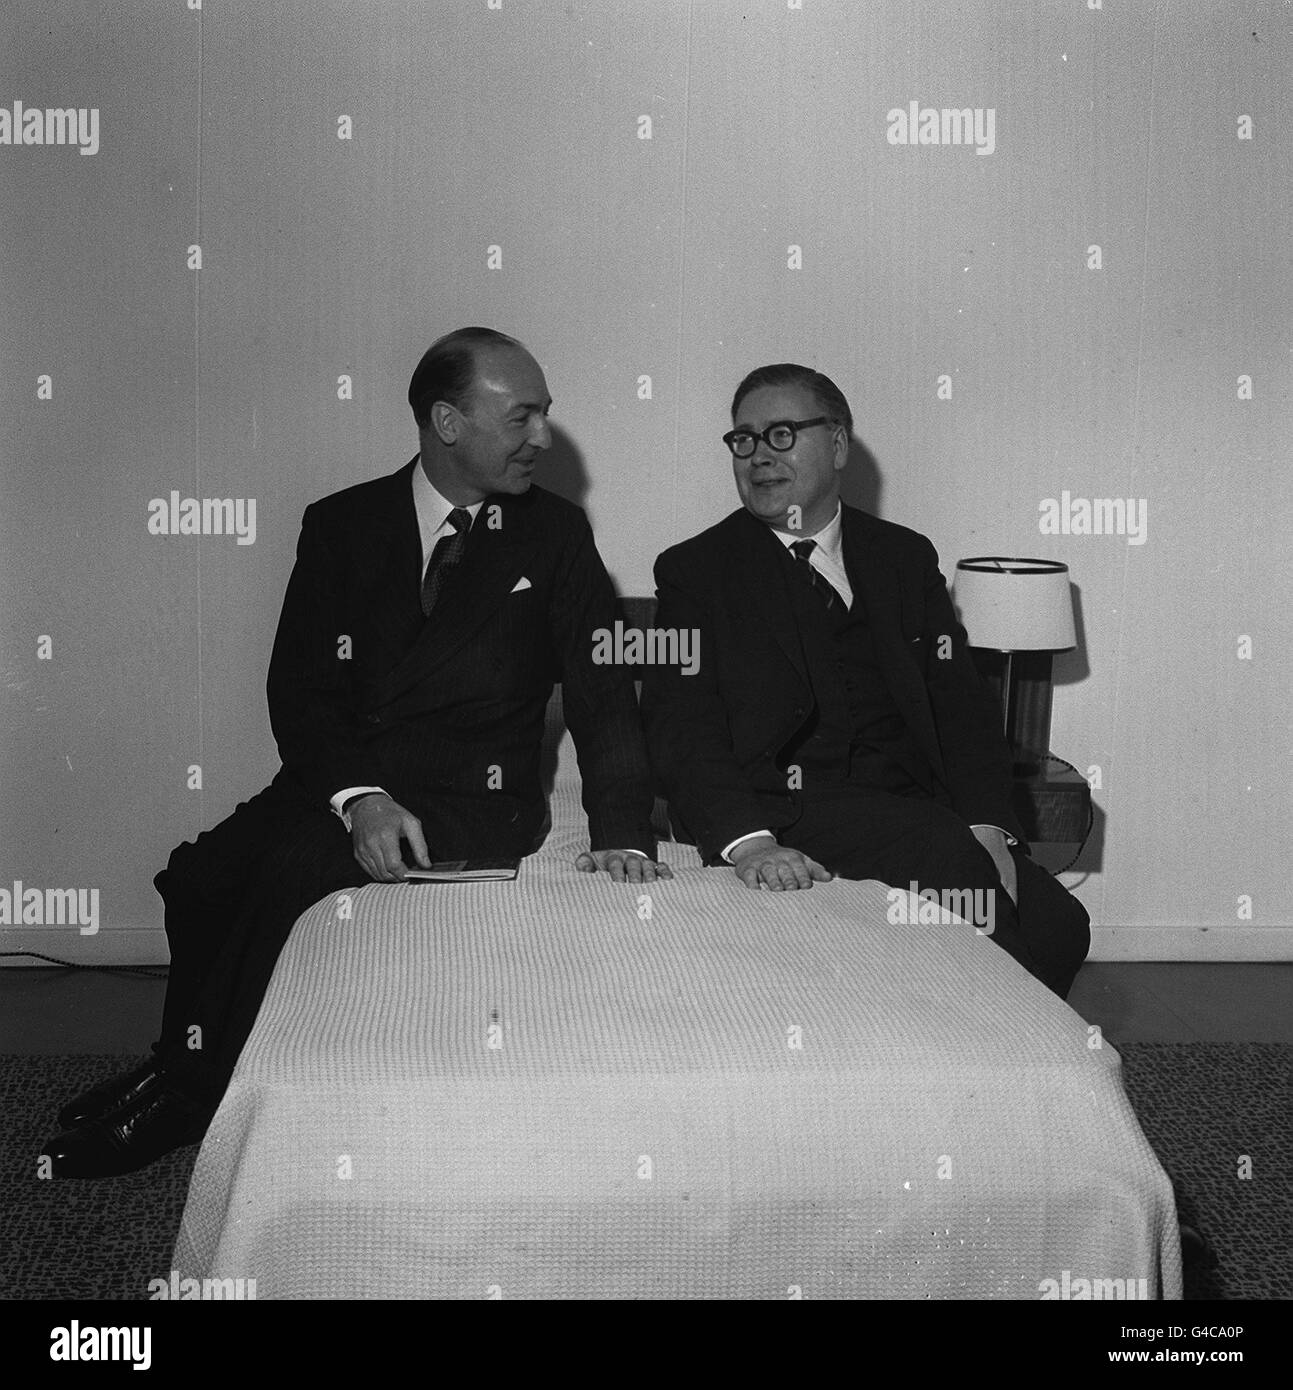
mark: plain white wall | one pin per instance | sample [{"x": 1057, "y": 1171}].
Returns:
[{"x": 519, "y": 127}]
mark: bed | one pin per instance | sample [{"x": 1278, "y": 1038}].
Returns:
[{"x": 561, "y": 1087}]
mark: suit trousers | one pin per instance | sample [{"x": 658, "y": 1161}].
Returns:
[
  {"x": 857, "y": 831},
  {"x": 232, "y": 897}
]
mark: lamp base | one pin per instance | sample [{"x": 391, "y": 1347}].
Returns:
[{"x": 1022, "y": 684}]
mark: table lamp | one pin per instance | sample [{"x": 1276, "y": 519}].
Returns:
[{"x": 1018, "y": 612}]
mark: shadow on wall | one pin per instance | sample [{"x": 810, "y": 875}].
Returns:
[
  {"x": 860, "y": 483},
  {"x": 1072, "y": 668},
  {"x": 561, "y": 469}
]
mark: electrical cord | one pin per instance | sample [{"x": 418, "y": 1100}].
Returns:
[
  {"x": 1090, "y": 820},
  {"x": 76, "y": 965}
]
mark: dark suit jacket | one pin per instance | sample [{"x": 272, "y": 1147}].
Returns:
[
  {"x": 447, "y": 714},
  {"x": 714, "y": 737}
]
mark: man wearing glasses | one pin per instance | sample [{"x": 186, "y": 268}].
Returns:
[{"x": 836, "y": 723}]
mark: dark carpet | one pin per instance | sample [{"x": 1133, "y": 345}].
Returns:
[
  {"x": 1205, "y": 1108},
  {"x": 78, "y": 1239}
]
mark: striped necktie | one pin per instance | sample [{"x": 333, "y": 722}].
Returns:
[
  {"x": 826, "y": 591},
  {"x": 447, "y": 553}
]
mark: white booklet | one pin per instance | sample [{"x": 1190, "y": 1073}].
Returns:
[{"x": 465, "y": 871}]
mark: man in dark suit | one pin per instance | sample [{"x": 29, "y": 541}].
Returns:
[
  {"x": 836, "y": 723},
  {"x": 427, "y": 617}
]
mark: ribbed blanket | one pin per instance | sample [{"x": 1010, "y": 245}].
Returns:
[{"x": 561, "y": 1087}]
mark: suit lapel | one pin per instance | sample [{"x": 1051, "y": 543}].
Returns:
[
  {"x": 762, "y": 577},
  {"x": 393, "y": 548},
  {"x": 499, "y": 548},
  {"x": 877, "y": 588}
]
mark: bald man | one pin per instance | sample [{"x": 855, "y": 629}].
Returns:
[{"x": 427, "y": 617}]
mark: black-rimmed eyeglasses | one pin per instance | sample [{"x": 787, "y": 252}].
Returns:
[{"x": 780, "y": 435}]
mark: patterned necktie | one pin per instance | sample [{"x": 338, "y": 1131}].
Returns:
[
  {"x": 826, "y": 591},
  {"x": 448, "y": 551}
]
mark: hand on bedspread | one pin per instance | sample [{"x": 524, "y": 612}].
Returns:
[
  {"x": 763, "y": 863},
  {"x": 378, "y": 823},
  {"x": 623, "y": 865}
]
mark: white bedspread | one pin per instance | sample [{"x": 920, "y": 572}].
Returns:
[{"x": 553, "y": 1088}]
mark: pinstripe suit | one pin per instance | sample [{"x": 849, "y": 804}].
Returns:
[{"x": 445, "y": 713}]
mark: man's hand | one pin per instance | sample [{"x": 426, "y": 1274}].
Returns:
[
  {"x": 623, "y": 866},
  {"x": 763, "y": 863},
  {"x": 994, "y": 841},
  {"x": 377, "y": 823}
]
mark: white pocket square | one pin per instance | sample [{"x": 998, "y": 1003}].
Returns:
[{"x": 522, "y": 583}]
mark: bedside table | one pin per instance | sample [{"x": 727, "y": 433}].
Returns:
[{"x": 1053, "y": 802}]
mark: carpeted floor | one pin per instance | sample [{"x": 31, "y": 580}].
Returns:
[
  {"x": 78, "y": 1239},
  {"x": 1203, "y": 1106}
]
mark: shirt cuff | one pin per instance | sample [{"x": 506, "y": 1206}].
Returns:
[
  {"x": 1010, "y": 839},
  {"x": 726, "y": 855},
  {"x": 343, "y": 796}
]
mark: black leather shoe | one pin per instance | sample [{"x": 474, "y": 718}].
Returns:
[
  {"x": 130, "y": 1137},
  {"x": 110, "y": 1095}
]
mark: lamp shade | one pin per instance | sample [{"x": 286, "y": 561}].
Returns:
[{"x": 1010, "y": 604}]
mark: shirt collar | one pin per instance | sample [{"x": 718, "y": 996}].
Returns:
[
  {"x": 433, "y": 509},
  {"x": 829, "y": 539}
]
